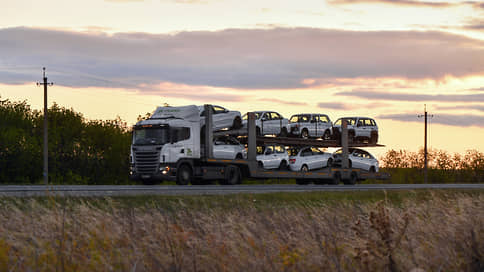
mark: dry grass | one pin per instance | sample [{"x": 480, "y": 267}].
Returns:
[{"x": 439, "y": 234}]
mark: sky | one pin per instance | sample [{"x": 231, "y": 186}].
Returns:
[{"x": 384, "y": 59}]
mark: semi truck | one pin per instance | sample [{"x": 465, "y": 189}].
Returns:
[{"x": 170, "y": 145}]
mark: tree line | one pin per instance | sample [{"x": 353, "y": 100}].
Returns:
[
  {"x": 81, "y": 151},
  {"x": 85, "y": 151},
  {"x": 444, "y": 167}
]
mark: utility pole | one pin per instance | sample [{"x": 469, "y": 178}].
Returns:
[
  {"x": 425, "y": 115},
  {"x": 46, "y": 143}
]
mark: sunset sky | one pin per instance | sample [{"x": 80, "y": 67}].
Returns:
[{"x": 378, "y": 58}]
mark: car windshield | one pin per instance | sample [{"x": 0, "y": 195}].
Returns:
[
  {"x": 151, "y": 136},
  {"x": 351, "y": 121}
]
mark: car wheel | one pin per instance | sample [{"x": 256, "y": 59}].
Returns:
[
  {"x": 372, "y": 169},
  {"x": 184, "y": 175},
  {"x": 327, "y": 135},
  {"x": 260, "y": 164},
  {"x": 350, "y": 164},
  {"x": 283, "y": 165},
  {"x": 257, "y": 131},
  {"x": 304, "y": 134},
  {"x": 239, "y": 156},
  {"x": 329, "y": 163},
  {"x": 237, "y": 123},
  {"x": 374, "y": 138},
  {"x": 304, "y": 168},
  {"x": 351, "y": 137}
]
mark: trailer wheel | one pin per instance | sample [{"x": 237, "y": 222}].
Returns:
[
  {"x": 336, "y": 178},
  {"x": 302, "y": 181},
  {"x": 184, "y": 175},
  {"x": 232, "y": 175},
  {"x": 353, "y": 179}
]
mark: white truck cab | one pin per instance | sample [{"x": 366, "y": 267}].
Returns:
[{"x": 161, "y": 142}]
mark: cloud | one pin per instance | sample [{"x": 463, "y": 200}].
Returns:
[
  {"x": 462, "y": 107},
  {"x": 474, "y": 24},
  {"x": 374, "y": 95},
  {"x": 345, "y": 106},
  {"x": 443, "y": 119},
  {"x": 397, "y": 2},
  {"x": 334, "y": 106},
  {"x": 279, "y": 101},
  {"x": 235, "y": 58}
]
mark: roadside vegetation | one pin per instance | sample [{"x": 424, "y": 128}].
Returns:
[
  {"x": 85, "y": 151},
  {"x": 339, "y": 231}
]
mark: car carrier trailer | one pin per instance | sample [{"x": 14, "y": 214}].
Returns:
[{"x": 230, "y": 172}]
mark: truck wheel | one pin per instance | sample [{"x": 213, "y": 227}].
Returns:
[
  {"x": 184, "y": 175},
  {"x": 232, "y": 175},
  {"x": 327, "y": 135},
  {"x": 237, "y": 123},
  {"x": 353, "y": 179},
  {"x": 283, "y": 165},
  {"x": 336, "y": 178},
  {"x": 304, "y": 134}
]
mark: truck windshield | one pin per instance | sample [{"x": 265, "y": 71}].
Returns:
[{"x": 151, "y": 136}]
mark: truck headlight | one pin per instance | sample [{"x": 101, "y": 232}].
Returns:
[{"x": 164, "y": 169}]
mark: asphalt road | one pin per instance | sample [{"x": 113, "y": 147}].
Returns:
[{"x": 130, "y": 190}]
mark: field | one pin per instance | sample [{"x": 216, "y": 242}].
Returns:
[{"x": 337, "y": 231}]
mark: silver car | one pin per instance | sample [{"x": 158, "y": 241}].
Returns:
[
  {"x": 359, "y": 129},
  {"x": 311, "y": 125},
  {"x": 309, "y": 158},
  {"x": 269, "y": 123},
  {"x": 357, "y": 158},
  {"x": 222, "y": 118},
  {"x": 226, "y": 147},
  {"x": 272, "y": 156}
]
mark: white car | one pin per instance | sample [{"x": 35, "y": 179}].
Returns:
[
  {"x": 228, "y": 148},
  {"x": 272, "y": 156},
  {"x": 309, "y": 158},
  {"x": 311, "y": 125},
  {"x": 357, "y": 158},
  {"x": 222, "y": 118},
  {"x": 269, "y": 123},
  {"x": 359, "y": 129}
]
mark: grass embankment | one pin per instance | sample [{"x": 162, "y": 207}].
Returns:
[{"x": 365, "y": 231}]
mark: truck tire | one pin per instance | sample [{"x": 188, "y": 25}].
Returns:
[
  {"x": 353, "y": 179},
  {"x": 232, "y": 175},
  {"x": 336, "y": 178},
  {"x": 184, "y": 175}
]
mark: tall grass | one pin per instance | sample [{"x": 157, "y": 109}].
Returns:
[{"x": 436, "y": 234}]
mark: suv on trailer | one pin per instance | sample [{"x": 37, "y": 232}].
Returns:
[
  {"x": 227, "y": 147},
  {"x": 269, "y": 123},
  {"x": 357, "y": 158},
  {"x": 272, "y": 156},
  {"x": 359, "y": 129},
  {"x": 222, "y": 118},
  {"x": 311, "y": 125}
]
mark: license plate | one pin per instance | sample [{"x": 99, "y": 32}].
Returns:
[{"x": 145, "y": 176}]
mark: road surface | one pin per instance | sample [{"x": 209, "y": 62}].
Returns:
[{"x": 131, "y": 190}]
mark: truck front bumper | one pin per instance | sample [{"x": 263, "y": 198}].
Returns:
[{"x": 165, "y": 173}]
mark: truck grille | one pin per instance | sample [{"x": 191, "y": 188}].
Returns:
[{"x": 146, "y": 162}]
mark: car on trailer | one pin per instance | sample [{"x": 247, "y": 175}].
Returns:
[
  {"x": 360, "y": 129},
  {"x": 222, "y": 118},
  {"x": 269, "y": 123},
  {"x": 309, "y": 158},
  {"x": 357, "y": 158},
  {"x": 272, "y": 156},
  {"x": 314, "y": 125},
  {"x": 227, "y": 147}
]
